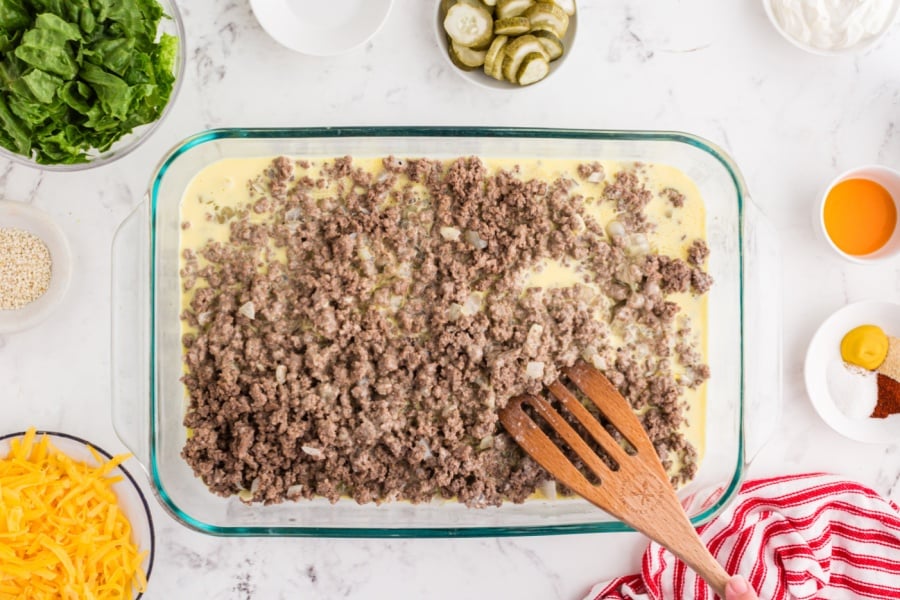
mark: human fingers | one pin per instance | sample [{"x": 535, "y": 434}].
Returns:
[{"x": 739, "y": 589}]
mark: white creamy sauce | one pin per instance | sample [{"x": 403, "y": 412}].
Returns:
[{"x": 832, "y": 24}]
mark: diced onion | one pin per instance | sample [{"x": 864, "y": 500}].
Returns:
[
  {"x": 548, "y": 489},
  {"x": 450, "y": 234},
  {"x": 248, "y": 309},
  {"x": 615, "y": 229},
  {"x": 473, "y": 304},
  {"x": 312, "y": 451},
  {"x": 534, "y": 369},
  {"x": 473, "y": 238}
]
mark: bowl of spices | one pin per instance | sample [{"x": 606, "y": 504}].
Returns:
[
  {"x": 857, "y": 214},
  {"x": 35, "y": 266},
  {"x": 832, "y": 27},
  {"x": 852, "y": 371}
]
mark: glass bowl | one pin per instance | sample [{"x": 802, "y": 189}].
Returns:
[
  {"x": 18, "y": 215},
  {"x": 131, "y": 499},
  {"x": 126, "y": 144},
  {"x": 478, "y": 76},
  {"x": 149, "y": 400}
]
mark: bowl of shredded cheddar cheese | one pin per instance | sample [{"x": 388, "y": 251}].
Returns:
[{"x": 73, "y": 522}]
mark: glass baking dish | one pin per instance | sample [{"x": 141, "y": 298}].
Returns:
[{"x": 149, "y": 400}]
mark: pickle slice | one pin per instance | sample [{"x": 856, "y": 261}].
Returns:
[
  {"x": 466, "y": 56},
  {"x": 548, "y": 16},
  {"x": 516, "y": 51},
  {"x": 493, "y": 60},
  {"x": 566, "y": 5},
  {"x": 534, "y": 67},
  {"x": 512, "y": 8},
  {"x": 469, "y": 24},
  {"x": 512, "y": 26},
  {"x": 552, "y": 44}
]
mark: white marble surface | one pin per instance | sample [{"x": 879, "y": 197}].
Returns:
[{"x": 791, "y": 121}]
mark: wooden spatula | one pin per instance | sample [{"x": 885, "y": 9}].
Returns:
[{"x": 637, "y": 491}]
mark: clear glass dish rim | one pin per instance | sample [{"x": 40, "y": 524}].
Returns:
[{"x": 436, "y": 132}]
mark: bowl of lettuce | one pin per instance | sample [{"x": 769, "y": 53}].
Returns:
[{"x": 84, "y": 82}]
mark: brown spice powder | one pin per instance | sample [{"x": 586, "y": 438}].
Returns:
[{"x": 888, "y": 397}]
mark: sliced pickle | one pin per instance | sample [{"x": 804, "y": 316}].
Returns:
[
  {"x": 469, "y": 24},
  {"x": 515, "y": 53},
  {"x": 512, "y": 8},
  {"x": 534, "y": 67},
  {"x": 512, "y": 26},
  {"x": 552, "y": 44},
  {"x": 548, "y": 16},
  {"x": 566, "y": 5},
  {"x": 466, "y": 56},
  {"x": 494, "y": 56}
]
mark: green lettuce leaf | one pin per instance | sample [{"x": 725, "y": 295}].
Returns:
[
  {"x": 113, "y": 92},
  {"x": 77, "y": 75},
  {"x": 42, "y": 85}
]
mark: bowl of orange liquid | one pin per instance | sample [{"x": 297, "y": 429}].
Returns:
[{"x": 857, "y": 214}]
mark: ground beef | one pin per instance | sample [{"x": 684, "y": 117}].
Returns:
[
  {"x": 674, "y": 196},
  {"x": 360, "y": 342},
  {"x": 697, "y": 253}
]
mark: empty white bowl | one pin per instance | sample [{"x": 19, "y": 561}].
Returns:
[
  {"x": 18, "y": 215},
  {"x": 478, "y": 76},
  {"x": 321, "y": 28}
]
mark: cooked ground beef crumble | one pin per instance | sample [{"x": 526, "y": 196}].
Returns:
[{"x": 361, "y": 344}]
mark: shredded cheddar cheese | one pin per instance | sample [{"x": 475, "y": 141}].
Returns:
[{"x": 62, "y": 535}]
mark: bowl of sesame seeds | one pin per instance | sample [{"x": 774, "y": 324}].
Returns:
[{"x": 35, "y": 266}]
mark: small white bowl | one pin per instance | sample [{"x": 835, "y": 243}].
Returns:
[
  {"x": 321, "y": 28},
  {"x": 479, "y": 77},
  {"x": 889, "y": 179},
  {"x": 857, "y": 48},
  {"x": 131, "y": 500},
  {"x": 824, "y": 353},
  {"x": 18, "y": 215}
]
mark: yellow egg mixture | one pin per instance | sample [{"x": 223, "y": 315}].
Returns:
[{"x": 222, "y": 187}]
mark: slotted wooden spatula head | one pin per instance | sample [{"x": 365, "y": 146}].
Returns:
[{"x": 627, "y": 477}]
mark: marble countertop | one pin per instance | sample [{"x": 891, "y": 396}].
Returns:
[{"x": 791, "y": 120}]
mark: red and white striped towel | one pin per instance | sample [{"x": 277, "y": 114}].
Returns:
[{"x": 804, "y": 537}]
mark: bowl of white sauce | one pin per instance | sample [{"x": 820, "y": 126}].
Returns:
[{"x": 830, "y": 27}]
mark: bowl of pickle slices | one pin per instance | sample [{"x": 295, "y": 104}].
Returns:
[{"x": 506, "y": 44}]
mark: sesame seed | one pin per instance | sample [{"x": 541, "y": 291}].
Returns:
[{"x": 24, "y": 268}]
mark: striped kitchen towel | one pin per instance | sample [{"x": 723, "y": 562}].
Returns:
[{"x": 804, "y": 537}]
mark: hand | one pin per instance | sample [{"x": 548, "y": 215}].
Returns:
[{"x": 739, "y": 589}]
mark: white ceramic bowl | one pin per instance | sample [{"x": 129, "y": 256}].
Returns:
[
  {"x": 321, "y": 28},
  {"x": 478, "y": 76},
  {"x": 131, "y": 500},
  {"x": 887, "y": 178},
  {"x": 18, "y": 215},
  {"x": 824, "y": 353},
  {"x": 857, "y": 48}
]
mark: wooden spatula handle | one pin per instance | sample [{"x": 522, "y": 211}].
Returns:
[{"x": 671, "y": 528}]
